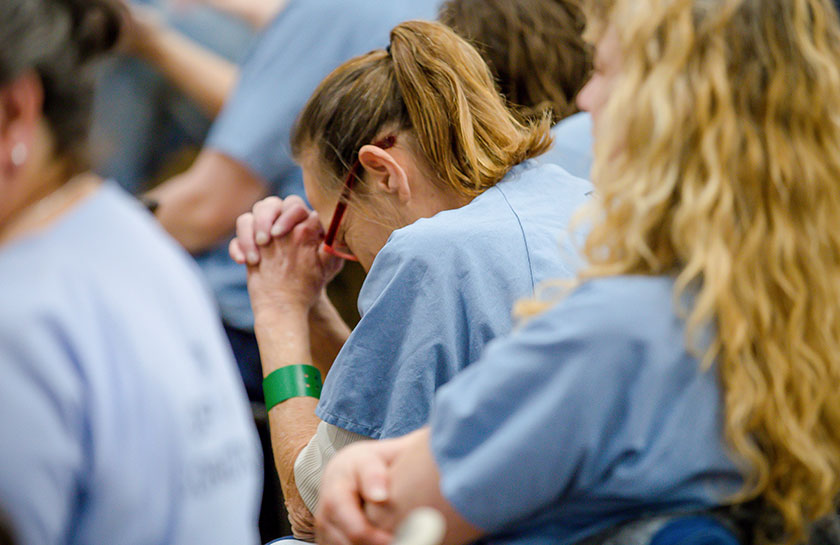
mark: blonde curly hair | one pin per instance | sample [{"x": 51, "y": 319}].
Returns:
[{"x": 721, "y": 166}]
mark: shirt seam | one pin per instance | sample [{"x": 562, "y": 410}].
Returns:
[{"x": 524, "y": 239}]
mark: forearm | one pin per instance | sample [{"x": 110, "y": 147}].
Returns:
[
  {"x": 283, "y": 338},
  {"x": 199, "y": 207},
  {"x": 328, "y": 333},
  {"x": 256, "y": 14},
  {"x": 292, "y": 425},
  {"x": 189, "y": 215},
  {"x": 205, "y": 77}
]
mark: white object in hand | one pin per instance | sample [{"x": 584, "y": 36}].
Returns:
[{"x": 423, "y": 526}]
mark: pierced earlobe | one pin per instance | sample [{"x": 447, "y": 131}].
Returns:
[{"x": 19, "y": 154}]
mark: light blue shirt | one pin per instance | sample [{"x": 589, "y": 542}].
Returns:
[
  {"x": 440, "y": 289},
  {"x": 590, "y": 414},
  {"x": 305, "y": 42},
  {"x": 572, "y": 147},
  {"x": 122, "y": 417}
]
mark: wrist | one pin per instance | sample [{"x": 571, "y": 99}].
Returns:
[
  {"x": 283, "y": 338},
  {"x": 291, "y": 381},
  {"x": 322, "y": 308},
  {"x": 281, "y": 309}
]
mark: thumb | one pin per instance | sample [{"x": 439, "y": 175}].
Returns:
[
  {"x": 373, "y": 477},
  {"x": 373, "y": 482}
]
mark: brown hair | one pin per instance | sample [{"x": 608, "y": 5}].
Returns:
[
  {"x": 433, "y": 84},
  {"x": 57, "y": 39},
  {"x": 535, "y": 49}
]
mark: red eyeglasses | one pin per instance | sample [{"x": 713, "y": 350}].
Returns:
[{"x": 341, "y": 207}]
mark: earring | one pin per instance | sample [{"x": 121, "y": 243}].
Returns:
[{"x": 19, "y": 154}]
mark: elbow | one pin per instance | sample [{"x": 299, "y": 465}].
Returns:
[
  {"x": 209, "y": 226},
  {"x": 199, "y": 208}
]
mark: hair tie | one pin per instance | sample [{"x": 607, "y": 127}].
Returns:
[{"x": 388, "y": 49}]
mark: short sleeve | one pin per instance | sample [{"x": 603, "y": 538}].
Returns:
[
  {"x": 255, "y": 125},
  {"x": 421, "y": 324},
  {"x": 41, "y": 429},
  {"x": 545, "y": 412}
]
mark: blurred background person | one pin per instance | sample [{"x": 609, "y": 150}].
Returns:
[
  {"x": 124, "y": 420},
  {"x": 536, "y": 51}
]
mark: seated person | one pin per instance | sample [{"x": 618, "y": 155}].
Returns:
[
  {"x": 537, "y": 54},
  {"x": 440, "y": 205},
  {"x": 123, "y": 420},
  {"x": 247, "y": 157},
  {"x": 694, "y": 364}
]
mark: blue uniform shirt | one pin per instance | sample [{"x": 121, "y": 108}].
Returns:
[
  {"x": 590, "y": 414},
  {"x": 305, "y": 42},
  {"x": 122, "y": 419},
  {"x": 572, "y": 147},
  {"x": 439, "y": 290}
]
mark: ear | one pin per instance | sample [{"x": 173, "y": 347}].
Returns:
[
  {"x": 385, "y": 170},
  {"x": 21, "y": 111}
]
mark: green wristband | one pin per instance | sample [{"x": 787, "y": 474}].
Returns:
[{"x": 291, "y": 381}]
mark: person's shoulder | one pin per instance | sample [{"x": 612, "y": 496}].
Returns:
[
  {"x": 449, "y": 234},
  {"x": 577, "y": 125},
  {"x": 547, "y": 182},
  {"x": 108, "y": 243},
  {"x": 423, "y": 245},
  {"x": 491, "y": 222},
  {"x": 632, "y": 308},
  {"x": 120, "y": 223}
]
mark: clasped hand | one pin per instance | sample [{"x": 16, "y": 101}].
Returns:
[
  {"x": 355, "y": 507},
  {"x": 280, "y": 241}
]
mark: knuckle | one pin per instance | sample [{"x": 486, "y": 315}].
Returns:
[
  {"x": 297, "y": 210},
  {"x": 273, "y": 202},
  {"x": 293, "y": 200},
  {"x": 270, "y": 202},
  {"x": 244, "y": 221}
]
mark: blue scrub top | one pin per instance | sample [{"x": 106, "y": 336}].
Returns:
[
  {"x": 590, "y": 414},
  {"x": 572, "y": 147},
  {"x": 440, "y": 289},
  {"x": 123, "y": 417},
  {"x": 304, "y": 43}
]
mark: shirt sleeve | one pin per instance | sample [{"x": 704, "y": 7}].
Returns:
[
  {"x": 291, "y": 57},
  {"x": 255, "y": 123},
  {"x": 41, "y": 430},
  {"x": 543, "y": 402},
  {"x": 421, "y": 323}
]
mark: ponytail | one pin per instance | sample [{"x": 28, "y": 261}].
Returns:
[{"x": 434, "y": 84}]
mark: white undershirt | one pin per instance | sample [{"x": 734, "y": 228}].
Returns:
[{"x": 310, "y": 463}]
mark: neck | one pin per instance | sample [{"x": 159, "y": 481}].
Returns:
[
  {"x": 437, "y": 200},
  {"x": 48, "y": 201}
]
